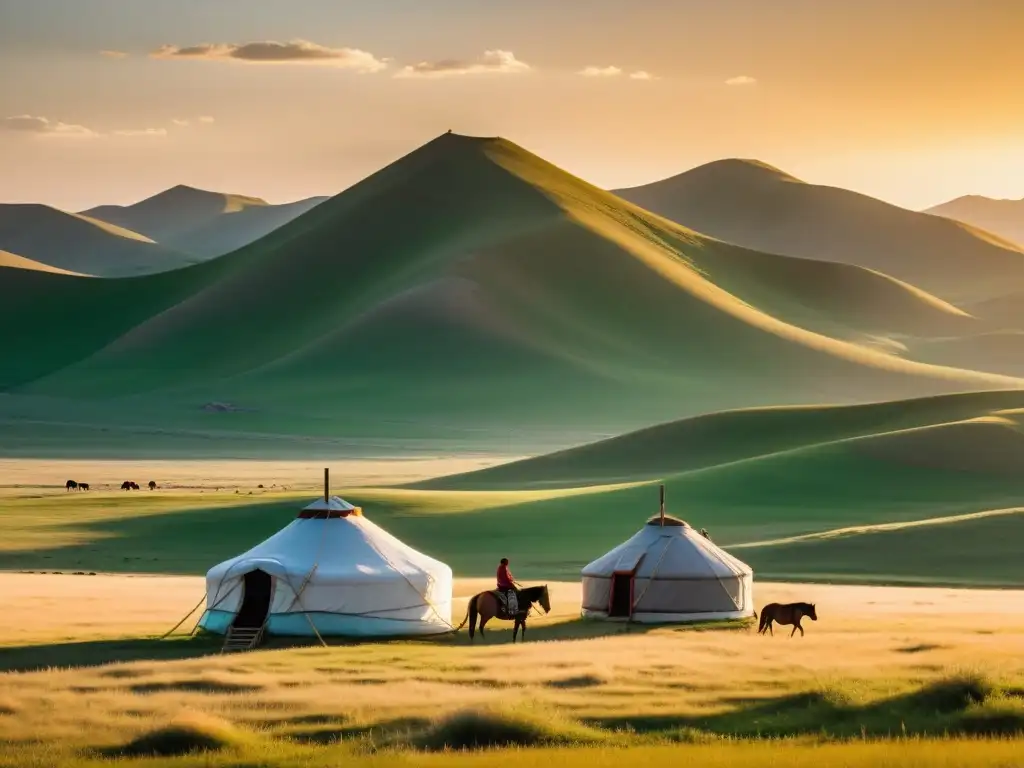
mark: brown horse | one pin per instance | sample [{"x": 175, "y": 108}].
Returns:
[
  {"x": 487, "y": 606},
  {"x": 789, "y": 613}
]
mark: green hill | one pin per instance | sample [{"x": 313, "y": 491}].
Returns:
[
  {"x": 71, "y": 242},
  {"x": 471, "y": 288},
  {"x": 919, "y": 492},
  {"x": 756, "y": 205},
  {"x": 1002, "y": 217},
  {"x": 729, "y": 437},
  {"x": 202, "y": 223}
]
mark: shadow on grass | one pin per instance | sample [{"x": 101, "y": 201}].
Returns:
[
  {"x": 965, "y": 704},
  {"x": 95, "y": 653}
]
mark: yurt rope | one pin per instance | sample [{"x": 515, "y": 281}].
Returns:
[
  {"x": 183, "y": 618},
  {"x": 711, "y": 551},
  {"x": 211, "y": 606},
  {"x": 423, "y": 597},
  {"x": 650, "y": 580},
  {"x": 305, "y": 582}
]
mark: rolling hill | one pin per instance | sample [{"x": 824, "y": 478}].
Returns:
[
  {"x": 202, "y": 223},
  {"x": 471, "y": 288},
  {"x": 1001, "y": 217},
  {"x": 75, "y": 243},
  {"x": 925, "y": 491},
  {"x": 758, "y": 206}
]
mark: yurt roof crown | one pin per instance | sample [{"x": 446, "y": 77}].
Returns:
[{"x": 329, "y": 506}]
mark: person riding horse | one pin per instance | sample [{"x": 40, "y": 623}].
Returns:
[{"x": 507, "y": 587}]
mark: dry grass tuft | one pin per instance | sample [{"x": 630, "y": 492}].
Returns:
[
  {"x": 187, "y": 734},
  {"x": 495, "y": 726}
]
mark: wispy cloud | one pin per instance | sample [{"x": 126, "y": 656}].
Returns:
[
  {"x": 184, "y": 122},
  {"x": 271, "y": 52},
  {"x": 148, "y": 132},
  {"x": 114, "y": 54},
  {"x": 741, "y": 80},
  {"x": 495, "y": 62},
  {"x": 44, "y": 127},
  {"x": 641, "y": 75},
  {"x": 600, "y": 72}
]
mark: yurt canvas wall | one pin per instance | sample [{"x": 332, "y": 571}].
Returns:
[
  {"x": 333, "y": 569},
  {"x": 667, "y": 572}
]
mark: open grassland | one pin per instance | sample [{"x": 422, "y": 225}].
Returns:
[
  {"x": 941, "y": 506},
  {"x": 84, "y": 677}
]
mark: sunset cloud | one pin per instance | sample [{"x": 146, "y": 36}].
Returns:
[
  {"x": 43, "y": 126},
  {"x": 271, "y": 52},
  {"x": 495, "y": 62},
  {"x": 741, "y": 80},
  {"x": 600, "y": 72},
  {"x": 150, "y": 132},
  {"x": 182, "y": 122},
  {"x": 114, "y": 54},
  {"x": 641, "y": 75}
]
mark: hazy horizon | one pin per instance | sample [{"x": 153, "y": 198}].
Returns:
[{"x": 906, "y": 104}]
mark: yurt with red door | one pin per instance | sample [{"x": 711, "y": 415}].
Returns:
[{"x": 668, "y": 572}]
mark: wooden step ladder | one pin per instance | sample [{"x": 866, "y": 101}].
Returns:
[{"x": 242, "y": 639}]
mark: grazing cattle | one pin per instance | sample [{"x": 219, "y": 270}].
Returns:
[
  {"x": 70, "y": 484},
  {"x": 127, "y": 485},
  {"x": 83, "y": 486},
  {"x": 152, "y": 485}
]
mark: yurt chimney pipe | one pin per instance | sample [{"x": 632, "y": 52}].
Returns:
[
  {"x": 662, "y": 509},
  {"x": 327, "y": 485}
]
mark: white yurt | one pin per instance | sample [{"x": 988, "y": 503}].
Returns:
[
  {"x": 334, "y": 570},
  {"x": 667, "y": 572}
]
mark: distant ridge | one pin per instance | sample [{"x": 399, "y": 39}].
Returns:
[
  {"x": 1002, "y": 217},
  {"x": 203, "y": 223},
  {"x": 758, "y": 206},
  {"x": 77, "y": 243}
]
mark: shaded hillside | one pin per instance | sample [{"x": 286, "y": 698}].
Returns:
[
  {"x": 76, "y": 243},
  {"x": 203, "y": 223},
  {"x": 733, "y": 436},
  {"x": 472, "y": 286},
  {"x": 1001, "y": 217},
  {"x": 753, "y": 204}
]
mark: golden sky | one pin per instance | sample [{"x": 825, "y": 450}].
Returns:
[{"x": 109, "y": 101}]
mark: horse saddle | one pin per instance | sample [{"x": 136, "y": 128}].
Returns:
[{"x": 509, "y": 601}]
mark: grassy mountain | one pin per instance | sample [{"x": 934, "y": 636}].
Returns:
[
  {"x": 76, "y": 243},
  {"x": 1002, "y": 217},
  {"x": 753, "y": 204},
  {"x": 202, "y": 223},
  {"x": 472, "y": 287}
]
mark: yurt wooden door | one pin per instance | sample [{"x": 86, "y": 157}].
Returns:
[{"x": 620, "y": 600}]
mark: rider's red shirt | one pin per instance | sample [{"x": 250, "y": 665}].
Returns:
[{"x": 504, "y": 578}]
